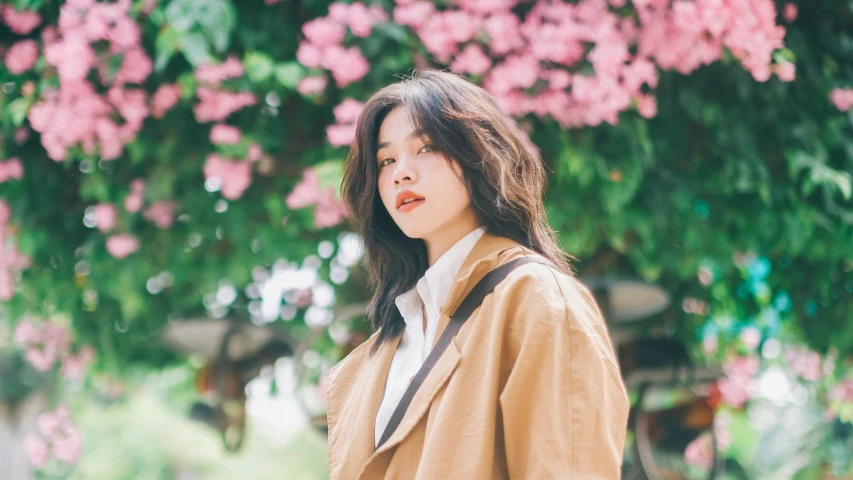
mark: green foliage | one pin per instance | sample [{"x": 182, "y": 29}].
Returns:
[{"x": 728, "y": 166}]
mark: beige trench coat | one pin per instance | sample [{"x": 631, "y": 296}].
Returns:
[{"x": 529, "y": 389}]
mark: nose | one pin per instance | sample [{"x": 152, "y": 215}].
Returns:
[{"x": 404, "y": 171}]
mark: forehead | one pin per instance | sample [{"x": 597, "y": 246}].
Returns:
[{"x": 396, "y": 127}]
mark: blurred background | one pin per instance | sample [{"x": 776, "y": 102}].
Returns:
[{"x": 177, "y": 273}]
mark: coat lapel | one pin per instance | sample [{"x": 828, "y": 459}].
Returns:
[
  {"x": 371, "y": 386},
  {"x": 483, "y": 258}
]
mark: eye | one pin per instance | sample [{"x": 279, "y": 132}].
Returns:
[
  {"x": 427, "y": 149},
  {"x": 384, "y": 162}
]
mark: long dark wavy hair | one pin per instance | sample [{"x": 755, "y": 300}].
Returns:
[{"x": 503, "y": 172}]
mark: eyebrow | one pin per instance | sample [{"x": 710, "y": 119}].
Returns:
[{"x": 415, "y": 134}]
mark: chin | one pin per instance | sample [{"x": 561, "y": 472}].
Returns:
[{"x": 414, "y": 231}]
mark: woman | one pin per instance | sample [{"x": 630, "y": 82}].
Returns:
[{"x": 444, "y": 188}]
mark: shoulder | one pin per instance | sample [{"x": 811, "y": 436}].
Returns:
[
  {"x": 546, "y": 289},
  {"x": 540, "y": 304}
]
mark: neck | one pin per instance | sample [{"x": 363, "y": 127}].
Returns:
[{"x": 440, "y": 242}]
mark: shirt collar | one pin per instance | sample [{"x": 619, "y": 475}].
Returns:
[{"x": 434, "y": 286}]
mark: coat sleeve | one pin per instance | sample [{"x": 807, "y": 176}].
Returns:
[{"x": 563, "y": 403}]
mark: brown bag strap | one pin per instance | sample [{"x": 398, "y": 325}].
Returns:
[{"x": 466, "y": 308}]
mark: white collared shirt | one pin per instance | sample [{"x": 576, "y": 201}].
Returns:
[{"x": 430, "y": 293}]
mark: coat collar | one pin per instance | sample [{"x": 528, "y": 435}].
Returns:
[{"x": 484, "y": 257}]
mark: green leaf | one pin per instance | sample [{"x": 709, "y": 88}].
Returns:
[
  {"x": 217, "y": 20},
  {"x": 289, "y": 74},
  {"x": 18, "y": 109},
  {"x": 180, "y": 14},
  {"x": 195, "y": 48},
  {"x": 165, "y": 45},
  {"x": 259, "y": 67}
]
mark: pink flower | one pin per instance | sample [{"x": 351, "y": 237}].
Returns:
[
  {"x": 11, "y": 261},
  {"x": 790, "y": 12},
  {"x": 22, "y": 135},
  {"x": 69, "y": 446},
  {"x": 37, "y": 451},
  {"x": 105, "y": 216},
  {"x": 166, "y": 97},
  {"x": 235, "y": 176},
  {"x": 10, "y": 169},
  {"x": 842, "y": 98},
  {"x": 842, "y": 392},
  {"x": 751, "y": 337},
  {"x": 647, "y": 106},
  {"x": 216, "y": 105},
  {"x": 341, "y": 135},
  {"x": 26, "y": 333},
  {"x": 22, "y": 56},
  {"x": 472, "y": 60},
  {"x": 311, "y": 85},
  {"x": 786, "y": 72},
  {"x": 306, "y": 191},
  {"x": 700, "y": 452},
  {"x": 225, "y": 134},
  {"x": 346, "y": 65},
  {"x": 135, "y": 67},
  {"x": 161, "y": 213},
  {"x": 348, "y": 111},
  {"x": 309, "y": 55},
  {"x": 413, "y": 14},
  {"x": 329, "y": 211},
  {"x": 254, "y": 152},
  {"x": 20, "y": 22},
  {"x": 215, "y": 74},
  {"x": 122, "y": 245},
  {"x": 805, "y": 363},
  {"x": 74, "y": 366},
  {"x": 323, "y": 32},
  {"x": 133, "y": 200},
  {"x": 41, "y": 360}
]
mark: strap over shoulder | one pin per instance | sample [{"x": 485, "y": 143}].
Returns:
[{"x": 471, "y": 302}]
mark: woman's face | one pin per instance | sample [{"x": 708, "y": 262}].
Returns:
[{"x": 409, "y": 168}]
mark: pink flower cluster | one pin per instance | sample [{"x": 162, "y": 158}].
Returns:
[
  {"x": 12, "y": 260},
  {"x": 216, "y": 104},
  {"x": 842, "y": 98},
  {"x": 161, "y": 213},
  {"x": 43, "y": 344},
  {"x": 805, "y": 363},
  {"x": 235, "y": 176},
  {"x": 323, "y": 47},
  {"x": 329, "y": 210},
  {"x": 214, "y": 74},
  {"x": 739, "y": 385},
  {"x": 77, "y": 113},
  {"x": 59, "y": 438},
  {"x": 22, "y": 56},
  {"x": 225, "y": 134},
  {"x": 532, "y": 64},
  {"x": 121, "y": 245},
  {"x": 312, "y": 85},
  {"x": 133, "y": 200},
  {"x": 346, "y": 114},
  {"x": 842, "y": 392},
  {"x": 106, "y": 215},
  {"x": 166, "y": 97},
  {"x": 19, "y": 22},
  {"x": 10, "y": 169}
]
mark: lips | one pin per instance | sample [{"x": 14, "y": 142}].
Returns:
[{"x": 405, "y": 195}]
